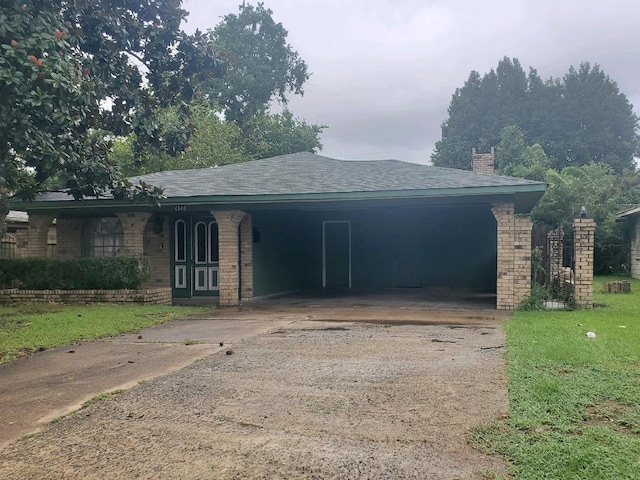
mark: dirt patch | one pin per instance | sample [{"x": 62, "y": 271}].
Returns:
[
  {"x": 314, "y": 402},
  {"x": 610, "y": 413}
]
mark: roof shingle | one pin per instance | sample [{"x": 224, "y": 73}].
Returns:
[{"x": 304, "y": 173}]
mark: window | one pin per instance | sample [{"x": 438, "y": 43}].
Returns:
[
  {"x": 103, "y": 238},
  {"x": 181, "y": 241},
  {"x": 213, "y": 242}
]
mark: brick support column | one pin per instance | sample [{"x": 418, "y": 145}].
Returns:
[
  {"x": 133, "y": 225},
  {"x": 246, "y": 255},
  {"x": 37, "y": 245},
  {"x": 505, "y": 223},
  {"x": 583, "y": 237},
  {"x": 229, "y": 250},
  {"x": 522, "y": 260}
]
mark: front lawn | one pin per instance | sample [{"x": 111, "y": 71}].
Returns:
[
  {"x": 28, "y": 328},
  {"x": 574, "y": 400}
]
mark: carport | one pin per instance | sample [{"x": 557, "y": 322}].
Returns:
[{"x": 375, "y": 247}]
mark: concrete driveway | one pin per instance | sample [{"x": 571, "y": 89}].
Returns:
[{"x": 49, "y": 384}]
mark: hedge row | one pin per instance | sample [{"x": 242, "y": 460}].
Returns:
[{"x": 111, "y": 273}]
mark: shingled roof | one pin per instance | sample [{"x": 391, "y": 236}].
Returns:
[
  {"x": 310, "y": 177},
  {"x": 303, "y": 173}
]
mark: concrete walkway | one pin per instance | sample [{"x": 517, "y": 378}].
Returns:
[{"x": 36, "y": 389}]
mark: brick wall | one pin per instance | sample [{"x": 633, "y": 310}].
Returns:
[
  {"x": 133, "y": 226},
  {"x": 156, "y": 237},
  {"x": 152, "y": 296},
  {"x": 514, "y": 257},
  {"x": 483, "y": 162},
  {"x": 69, "y": 237},
  {"x": 228, "y": 222},
  {"x": 583, "y": 237},
  {"x": 37, "y": 245},
  {"x": 504, "y": 214},
  {"x": 246, "y": 254},
  {"x": 522, "y": 260}
]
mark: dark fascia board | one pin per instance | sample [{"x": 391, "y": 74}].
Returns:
[
  {"x": 631, "y": 212},
  {"x": 524, "y": 196}
]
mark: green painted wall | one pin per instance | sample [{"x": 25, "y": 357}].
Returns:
[
  {"x": 288, "y": 255},
  {"x": 391, "y": 248}
]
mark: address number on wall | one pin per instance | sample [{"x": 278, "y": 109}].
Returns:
[{"x": 180, "y": 208}]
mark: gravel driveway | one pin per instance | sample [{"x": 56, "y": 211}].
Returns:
[{"x": 311, "y": 400}]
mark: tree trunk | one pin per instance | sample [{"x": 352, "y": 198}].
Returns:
[{"x": 4, "y": 210}]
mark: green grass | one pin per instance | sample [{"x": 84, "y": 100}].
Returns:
[
  {"x": 574, "y": 401},
  {"x": 28, "y": 328}
]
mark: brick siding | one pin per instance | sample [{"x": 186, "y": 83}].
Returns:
[
  {"x": 514, "y": 257},
  {"x": 228, "y": 222},
  {"x": 483, "y": 162},
  {"x": 151, "y": 296},
  {"x": 156, "y": 237}
]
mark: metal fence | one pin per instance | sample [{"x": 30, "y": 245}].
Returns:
[{"x": 553, "y": 261}]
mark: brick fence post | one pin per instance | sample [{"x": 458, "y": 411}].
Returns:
[
  {"x": 229, "y": 252},
  {"x": 583, "y": 237}
]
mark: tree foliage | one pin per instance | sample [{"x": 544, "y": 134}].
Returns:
[
  {"x": 214, "y": 142},
  {"x": 603, "y": 193},
  {"x": 514, "y": 158},
  {"x": 262, "y": 66},
  {"x": 217, "y": 142},
  {"x": 579, "y": 119},
  {"x": 63, "y": 62},
  {"x": 267, "y": 135},
  {"x": 232, "y": 122}
]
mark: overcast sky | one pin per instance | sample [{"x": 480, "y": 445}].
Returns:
[{"x": 383, "y": 71}]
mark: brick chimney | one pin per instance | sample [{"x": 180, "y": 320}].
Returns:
[{"x": 483, "y": 162}]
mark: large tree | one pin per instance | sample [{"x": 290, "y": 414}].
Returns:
[
  {"x": 217, "y": 142},
  {"x": 602, "y": 192},
  {"x": 578, "y": 119},
  {"x": 233, "y": 121},
  {"x": 514, "y": 158},
  {"x": 68, "y": 69},
  {"x": 262, "y": 66}
]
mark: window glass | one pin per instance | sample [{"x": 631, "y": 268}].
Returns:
[
  {"x": 201, "y": 243},
  {"x": 103, "y": 237},
  {"x": 181, "y": 243},
  {"x": 213, "y": 242}
]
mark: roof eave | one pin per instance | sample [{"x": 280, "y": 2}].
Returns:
[{"x": 532, "y": 192}]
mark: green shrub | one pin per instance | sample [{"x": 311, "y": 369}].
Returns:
[{"x": 111, "y": 273}]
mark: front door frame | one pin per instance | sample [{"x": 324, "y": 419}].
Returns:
[{"x": 192, "y": 274}]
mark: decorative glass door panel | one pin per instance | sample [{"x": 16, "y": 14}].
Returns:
[
  {"x": 180, "y": 256},
  {"x": 205, "y": 249}
]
